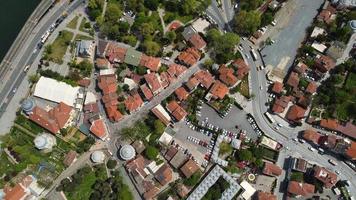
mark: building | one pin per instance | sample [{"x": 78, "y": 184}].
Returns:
[
  {"x": 226, "y": 75},
  {"x": 295, "y": 113},
  {"x": 115, "y": 54},
  {"x": 181, "y": 93},
  {"x": 170, "y": 153},
  {"x": 133, "y": 57},
  {"x": 127, "y": 152},
  {"x": 147, "y": 93},
  {"x": 325, "y": 176},
  {"x": 154, "y": 83},
  {"x": 192, "y": 83},
  {"x": 271, "y": 169},
  {"x": 151, "y": 63},
  {"x": 176, "y": 70},
  {"x": 300, "y": 68},
  {"x": 277, "y": 87},
  {"x": 317, "y": 31},
  {"x": 299, "y": 164},
  {"x": 44, "y": 142},
  {"x": 176, "y": 110},
  {"x": 312, "y": 136},
  {"x": 330, "y": 124},
  {"x": 248, "y": 190},
  {"x": 205, "y": 78},
  {"x": 197, "y": 41},
  {"x": 327, "y": 13},
  {"x": 300, "y": 189},
  {"x": 97, "y": 157},
  {"x": 242, "y": 68},
  {"x": 265, "y": 196},
  {"x": 351, "y": 151},
  {"x": 189, "y": 168},
  {"x": 27, "y": 106},
  {"x": 218, "y": 91},
  {"x": 293, "y": 80},
  {"x": 164, "y": 175},
  {"x": 280, "y": 104},
  {"x": 85, "y": 48},
  {"x": 70, "y": 158},
  {"x": 133, "y": 102},
  {"x": 311, "y": 88},
  {"x": 324, "y": 63},
  {"x": 101, "y": 48},
  {"x": 161, "y": 114},
  {"x": 189, "y": 57},
  {"x": 98, "y": 128},
  {"x": 53, "y": 120},
  {"x": 178, "y": 159},
  {"x": 102, "y": 63},
  {"x": 27, "y": 188},
  {"x": 56, "y": 91}
]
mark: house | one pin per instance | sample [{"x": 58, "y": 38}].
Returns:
[
  {"x": 54, "y": 119},
  {"x": 192, "y": 83},
  {"x": 312, "y": 136},
  {"x": 150, "y": 62},
  {"x": 311, "y": 88},
  {"x": 325, "y": 176},
  {"x": 101, "y": 48},
  {"x": 217, "y": 91},
  {"x": 139, "y": 146},
  {"x": 300, "y": 189},
  {"x": 351, "y": 151},
  {"x": 113, "y": 114},
  {"x": 178, "y": 159},
  {"x": 326, "y": 15},
  {"x": 115, "y": 54},
  {"x": 176, "y": 70},
  {"x": 226, "y": 75},
  {"x": 299, "y": 164},
  {"x": 324, "y": 63},
  {"x": 330, "y": 124},
  {"x": 161, "y": 114},
  {"x": 176, "y": 110},
  {"x": 189, "y": 168},
  {"x": 293, "y": 80},
  {"x": 280, "y": 104},
  {"x": 304, "y": 101},
  {"x": 242, "y": 68},
  {"x": 174, "y": 25},
  {"x": 85, "y": 48},
  {"x": 271, "y": 169},
  {"x": 70, "y": 158},
  {"x": 189, "y": 57},
  {"x": 102, "y": 63},
  {"x": 133, "y": 102},
  {"x": 133, "y": 57},
  {"x": 147, "y": 93},
  {"x": 277, "y": 87},
  {"x": 164, "y": 175},
  {"x": 188, "y": 32},
  {"x": 153, "y": 81},
  {"x": 98, "y": 128},
  {"x": 181, "y": 93},
  {"x": 171, "y": 152},
  {"x": 265, "y": 196},
  {"x": 182, "y": 190},
  {"x": 166, "y": 79},
  {"x": 205, "y": 78},
  {"x": 197, "y": 41},
  {"x": 300, "y": 68},
  {"x": 20, "y": 191},
  {"x": 295, "y": 113}
]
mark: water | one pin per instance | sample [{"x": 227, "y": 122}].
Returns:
[{"x": 13, "y": 15}]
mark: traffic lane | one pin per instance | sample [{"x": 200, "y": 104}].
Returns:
[
  {"x": 236, "y": 117},
  {"x": 211, "y": 13},
  {"x": 293, "y": 34}
]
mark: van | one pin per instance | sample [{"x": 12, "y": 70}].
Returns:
[
  {"x": 321, "y": 151},
  {"x": 332, "y": 162},
  {"x": 26, "y": 68}
]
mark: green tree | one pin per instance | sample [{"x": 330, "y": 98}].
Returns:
[
  {"x": 126, "y": 87},
  {"x": 193, "y": 180},
  {"x": 171, "y": 36},
  {"x": 146, "y": 29},
  {"x": 151, "y": 152},
  {"x": 151, "y": 48},
  {"x": 151, "y": 4},
  {"x": 111, "y": 164},
  {"x": 297, "y": 176},
  {"x": 113, "y": 12},
  {"x": 159, "y": 127},
  {"x": 245, "y": 155},
  {"x": 130, "y": 39},
  {"x": 250, "y": 4},
  {"x": 247, "y": 22},
  {"x": 223, "y": 45}
]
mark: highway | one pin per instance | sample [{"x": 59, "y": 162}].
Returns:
[{"x": 28, "y": 55}]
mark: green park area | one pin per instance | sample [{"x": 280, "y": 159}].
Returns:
[
  {"x": 55, "y": 51},
  {"x": 73, "y": 24}
]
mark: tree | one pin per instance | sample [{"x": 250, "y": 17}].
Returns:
[
  {"x": 113, "y": 12},
  {"x": 151, "y": 152},
  {"x": 223, "y": 45},
  {"x": 171, "y": 36},
  {"x": 151, "y": 4},
  {"x": 245, "y": 155},
  {"x": 297, "y": 176},
  {"x": 193, "y": 180},
  {"x": 247, "y": 22},
  {"x": 111, "y": 164},
  {"x": 126, "y": 87},
  {"x": 130, "y": 39},
  {"x": 250, "y": 4},
  {"x": 141, "y": 70},
  {"x": 146, "y": 29},
  {"x": 151, "y": 48},
  {"x": 34, "y": 78},
  {"x": 159, "y": 127}
]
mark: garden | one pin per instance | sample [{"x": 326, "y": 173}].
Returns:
[{"x": 55, "y": 51}]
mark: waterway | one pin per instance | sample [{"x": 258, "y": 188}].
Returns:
[{"x": 13, "y": 15}]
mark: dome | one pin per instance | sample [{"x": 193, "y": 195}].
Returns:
[
  {"x": 127, "y": 152},
  {"x": 98, "y": 157},
  {"x": 353, "y": 24},
  {"x": 44, "y": 141},
  {"x": 27, "y": 105}
]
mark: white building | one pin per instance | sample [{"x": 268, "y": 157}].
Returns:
[
  {"x": 45, "y": 141},
  {"x": 97, "y": 157}
]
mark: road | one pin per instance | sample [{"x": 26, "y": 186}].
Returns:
[{"x": 28, "y": 55}]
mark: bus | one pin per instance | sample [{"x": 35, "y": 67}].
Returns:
[
  {"x": 254, "y": 55},
  {"x": 269, "y": 117}
]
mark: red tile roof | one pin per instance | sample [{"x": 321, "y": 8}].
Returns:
[
  {"x": 70, "y": 157},
  {"x": 153, "y": 82},
  {"x": 272, "y": 169},
  {"x": 176, "y": 110},
  {"x": 219, "y": 90},
  {"x": 300, "y": 68},
  {"x": 170, "y": 153},
  {"x": 109, "y": 97},
  {"x": 265, "y": 196},
  {"x": 295, "y": 113},
  {"x": 150, "y": 62},
  {"x": 102, "y": 63},
  {"x": 293, "y": 80},
  {"x": 133, "y": 102},
  {"x": 348, "y": 129},
  {"x": 98, "y": 128},
  {"x": 197, "y": 41},
  {"x": 174, "y": 26},
  {"x": 54, "y": 119},
  {"x": 277, "y": 87},
  {"x": 189, "y": 168},
  {"x": 311, "y": 88},
  {"x": 226, "y": 75},
  {"x": 146, "y": 92},
  {"x": 166, "y": 79},
  {"x": 327, "y": 177},
  {"x": 181, "y": 93},
  {"x": 189, "y": 57},
  {"x": 205, "y": 78},
  {"x": 192, "y": 83},
  {"x": 115, "y": 53},
  {"x": 175, "y": 70},
  {"x": 325, "y": 15},
  {"x": 19, "y": 191},
  {"x": 312, "y": 136},
  {"x": 242, "y": 68},
  {"x": 91, "y": 108},
  {"x": 280, "y": 104},
  {"x": 331, "y": 124},
  {"x": 351, "y": 151},
  {"x": 164, "y": 174},
  {"x": 107, "y": 84},
  {"x": 324, "y": 63},
  {"x": 303, "y": 189}
]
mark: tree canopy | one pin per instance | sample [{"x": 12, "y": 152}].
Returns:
[
  {"x": 151, "y": 48},
  {"x": 223, "y": 45},
  {"x": 247, "y": 22},
  {"x": 151, "y": 152}
]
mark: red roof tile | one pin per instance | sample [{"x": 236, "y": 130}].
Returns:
[
  {"x": 205, "y": 78},
  {"x": 351, "y": 151},
  {"x": 175, "y": 70},
  {"x": 277, "y": 87},
  {"x": 242, "y": 68},
  {"x": 295, "y": 113},
  {"x": 197, "y": 41},
  {"x": 113, "y": 114},
  {"x": 293, "y": 80},
  {"x": 70, "y": 157},
  {"x": 164, "y": 174},
  {"x": 300, "y": 68},
  {"x": 115, "y": 53},
  {"x": 98, "y": 128},
  {"x": 181, "y": 93},
  {"x": 189, "y": 168},
  {"x": 271, "y": 169},
  {"x": 174, "y": 26},
  {"x": 311, "y": 88},
  {"x": 324, "y": 63},
  {"x": 348, "y": 129},
  {"x": 303, "y": 189},
  {"x": 312, "y": 136},
  {"x": 150, "y": 62},
  {"x": 226, "y": 75},
  {"x": 146, "y": 92},
  {"x": 133, "y": 102},
  {"x": 327, "y": 177},
  {"x": 166, "y": 79},
  {"x": 189, "y": 57},
  {"x": 219, "y": 90},
  {"x": 176, "y": 110},
  {"x": 102, "y": 63},
  {"x": 153, "y": 82},
  {"x": 331, "y": 124},
  {"x": 265, "y": 196},
  {"x": 280, "y": 104}
]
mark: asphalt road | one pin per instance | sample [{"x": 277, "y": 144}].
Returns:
[{"x": 17, "y": 75}]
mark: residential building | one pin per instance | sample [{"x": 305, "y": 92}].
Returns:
[
  {"x": 197, "y": 41},
  {"x": 133, "y": 57},
  {"x": 161, "y": 114},
  {"x": 271, "y": 169},
  {"x": 164, "y": 175},
  {"x": 300, "y": 68},
  {"x": 147, "y": 93},
  {"x": 101, "y": 48},
  {"x": 325, "y": 176},
  {"x": 19, "y": 191},
  {"x": 176, "y": 110},
  {"x": 170, "y": 153},
  {"x": 280, "y": 104},
  {"x": 351, "y": 151},
  {"x": 98, "y": 128},
  {"x": 153, "y": 81},
  {"x": 192, "y": 83},
  {"x": 265, "y": 196},
  {"x": 324, "y": 63},
  {"x": 299, "y": 164},
  {"x": 242, "y": 68},
  {"x": 226, "y": 75},
  {"x": 293, "y": 80},
  {"x": 133, "y": 102},
  {"x": 295, "y": 114},
  {"x": 85, "y": 48},
  {"x": 181, "y": 93},
  {"x": 115, "y": 54},
  {"x": 311, "y": 88},
  {"x": 312, "y": 136},
  {"x": 102, "y": 63},
  {"x": 70, "y": 158},
  {"x": 189, "y": 57},
  {"x": 205, "y": 78},
  {"x": 178, "y": 159},
  {"x": 217, "y": 91},
  {"x": 152, "y": 63},
  {"x": 176, "y": 70},
  {"x": 299, "y": 189},
  {"x": 53, "y": 120},
  {"x": 189, "y": 168},
  {"x": 327, "y": 13},
  {"x": 277, "y": 87}
]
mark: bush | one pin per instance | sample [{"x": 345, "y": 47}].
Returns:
[
  {"x": 151, "y": 152},
  {"x": 111, "y": 164},
  {"x": 193, "y": 180}
]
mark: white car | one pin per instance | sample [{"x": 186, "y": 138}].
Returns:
[
  {"x": 280, "y": 125},
  {"x": 337, "y": 172},
  {"x": 311, "y": 149},
  {"x": 274, "y": 22}
]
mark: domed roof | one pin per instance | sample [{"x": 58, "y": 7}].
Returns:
[
  {"x": 27, "y": 105},
  {"x": 127, "y": 152},
  {"x": 353, "y": 24},
  {"x": 98, "y": 157},
  {"x": 44, "y": 141},
  {"x": 40, "y": 142}
]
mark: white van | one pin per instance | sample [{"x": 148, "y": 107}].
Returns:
[{"x": 26, "y": 68}]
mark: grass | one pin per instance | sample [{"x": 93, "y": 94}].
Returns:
[
  {"x": 83, "y": 190},
  {"x": 243, "y": 87},
  {"x": 225, "y": 148},
  {"x": 59, "y": 47},
  {"x": 170, "y": 16},
  {"x": 269, "y": 154},
  {"x": 82, "y": 25},
  {"x": 83, "y": 37},
  {"x": 73, "y": 24},
  {"x": 29, "y": 125}
]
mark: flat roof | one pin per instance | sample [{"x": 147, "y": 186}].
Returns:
[{"x": 56, "y": 91}]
